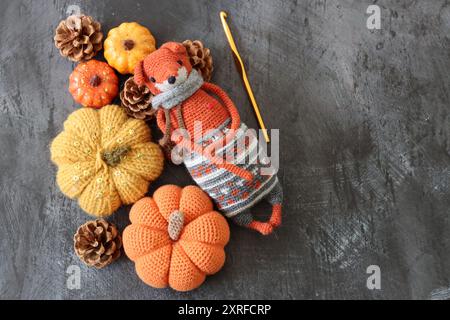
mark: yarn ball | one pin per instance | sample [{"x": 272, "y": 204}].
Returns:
[
  {"x": 176, "y": 238},
  {"x": 105, "y": 159}
]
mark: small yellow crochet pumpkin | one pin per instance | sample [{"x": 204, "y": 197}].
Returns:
[
  {"x": 126, "y": 45},
  {"x": 105, "y": 159}
]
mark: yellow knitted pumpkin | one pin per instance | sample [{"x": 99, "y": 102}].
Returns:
[
  {"x": 105, "y": 159},
  {"x": 126, "y": 45}
]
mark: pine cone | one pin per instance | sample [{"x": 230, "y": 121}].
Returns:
[
  {"x": 200, "y": 58},
  {"x": 97, "y": 243},
  {"x": 78, "y": 37},
  {"x": 137, "y": 100}
]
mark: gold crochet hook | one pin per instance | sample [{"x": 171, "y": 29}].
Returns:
[{"x": 243, "y": 73}]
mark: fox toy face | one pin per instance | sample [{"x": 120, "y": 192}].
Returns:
[{"x": 164, "y": 68}]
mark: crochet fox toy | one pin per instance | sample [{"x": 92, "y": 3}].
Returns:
[{"x": 183, "y": 101}]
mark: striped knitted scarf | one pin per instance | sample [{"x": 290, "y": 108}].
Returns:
[
  {"x": 173, "y": 98},
  {"x": 179, "y": 93}
]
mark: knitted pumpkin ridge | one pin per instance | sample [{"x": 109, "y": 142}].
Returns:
[{"x": 105, "y": 159}]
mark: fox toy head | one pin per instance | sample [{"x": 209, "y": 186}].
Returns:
[{"x": 164, "y": 68}]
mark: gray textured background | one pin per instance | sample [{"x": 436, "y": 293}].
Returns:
[{"x": 365, "y": 147}]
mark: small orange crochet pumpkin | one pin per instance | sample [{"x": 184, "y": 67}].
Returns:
[
  {"x": 93, "y": 84},
  {"x": 175, "y": 238}
]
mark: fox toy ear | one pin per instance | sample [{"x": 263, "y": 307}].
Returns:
[
  {"x": 175, "y": 47},
  {"x": 139, "y": 75}
]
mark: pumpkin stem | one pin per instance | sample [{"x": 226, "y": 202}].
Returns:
[
  {"x": 128, "y": 44},
  {"x": 176, "y": 223},
  {"x": 115, "y": 156},
  {"x": 95, "y": 80}
]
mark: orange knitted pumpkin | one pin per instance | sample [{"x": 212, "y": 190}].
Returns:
[
  {"x": 93, "y": 84},
  {"x": 175, "y": 238}
]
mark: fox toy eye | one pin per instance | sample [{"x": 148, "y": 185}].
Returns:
[
  {"x": 180, "y": 62},
  {"x": 152, "y": 79}
]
